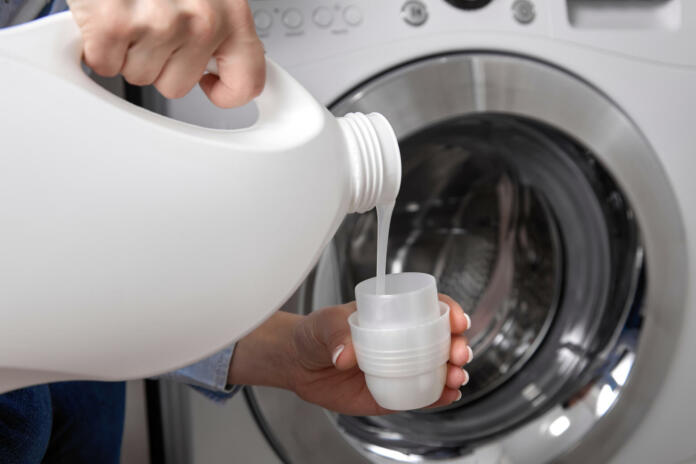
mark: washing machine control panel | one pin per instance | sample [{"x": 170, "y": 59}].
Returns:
[
  {"x": 324, "y": 28},
  {"x": 281, "y": 20},
  {"x": 300, "y": 31}
]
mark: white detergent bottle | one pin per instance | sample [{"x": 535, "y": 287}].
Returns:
[{"x": 132, "y": 244}]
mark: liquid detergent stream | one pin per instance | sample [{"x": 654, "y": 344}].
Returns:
[{"x": 384, "y": 214}]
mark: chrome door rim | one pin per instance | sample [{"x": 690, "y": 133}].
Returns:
[{"x": 520, "y": 86}]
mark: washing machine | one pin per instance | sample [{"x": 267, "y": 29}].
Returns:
[{"x": 548, "y": 184}]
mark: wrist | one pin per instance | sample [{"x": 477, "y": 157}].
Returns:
[{"x": 265, "y": 356}]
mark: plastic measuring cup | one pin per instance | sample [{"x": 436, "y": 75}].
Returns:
[{"x": 402, "y": 340}]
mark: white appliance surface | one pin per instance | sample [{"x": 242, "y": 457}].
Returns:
[
  {"x": 226, "y": 433},
  {"x": 641, "y": 55}
]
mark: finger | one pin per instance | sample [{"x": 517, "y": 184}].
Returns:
[
  {"x": 449, "y": 396},
  {"x": 460, "y": 353},
  {"x": 202, "y": 29},
  {"x": 242, "y": 73},
  {"x": 332, "y": 330},
  {"x": 104, "y": 50},
  {"x": 343, "y": 357},
  {"x": 148, "y": 54},
  {"x": 324, "y": 338},
  {"x": 459, "y": 320},
  {"x": 456, "y": 376},
  {"x": 182, "y": 71},
  {"x": 144, "y": 62}
]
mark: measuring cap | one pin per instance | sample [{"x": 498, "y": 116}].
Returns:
[{"x": 402, "y": 340}]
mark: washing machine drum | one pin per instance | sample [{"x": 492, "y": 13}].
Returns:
[
  {"x": 513, "y": 197},
  {"x": 534, "y": 240}
]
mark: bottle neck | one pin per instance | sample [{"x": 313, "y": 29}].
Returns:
[{"x": 375, "y": 160}]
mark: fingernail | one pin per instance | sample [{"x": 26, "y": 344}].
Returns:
[
  {"x": 459, "y": 396},
  {"x": 337, "y": 352},
  {"x": 471, "y": 354},
  {"x": 468, "y": 321},
  {"x": 466, "y": 380}
]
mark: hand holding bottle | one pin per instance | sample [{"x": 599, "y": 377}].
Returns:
[{"x": 168, "y": 43}]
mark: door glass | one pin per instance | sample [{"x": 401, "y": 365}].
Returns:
[
  {"x": 520, "y": 225},
  {"x": 465, "y": 215}
]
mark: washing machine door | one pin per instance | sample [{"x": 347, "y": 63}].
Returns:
[{"x": 538, "y": 206}]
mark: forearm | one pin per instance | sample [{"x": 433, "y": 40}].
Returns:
[{"x": 265, "y": 355}]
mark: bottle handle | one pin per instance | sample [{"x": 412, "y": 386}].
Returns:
[{"x": 54, "y": 43}]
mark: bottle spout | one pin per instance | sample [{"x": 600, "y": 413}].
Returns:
[{"x": 375, "y": 160}]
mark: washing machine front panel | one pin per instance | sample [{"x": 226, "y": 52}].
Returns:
[
  {"x": 580, "y": 82},
  {"x": 575, "y": 378}
]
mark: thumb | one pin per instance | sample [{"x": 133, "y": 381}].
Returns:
[
  {"x": 325, "y": 340},
  {"x": 343, "y": 356},
  {"x": 336, "y": 335}
]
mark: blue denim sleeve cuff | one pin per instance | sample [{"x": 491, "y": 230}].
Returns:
[{"x": 209, "y": 375}]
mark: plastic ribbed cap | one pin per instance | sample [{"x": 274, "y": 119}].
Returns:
[
  {"x": 375, "y": 160},
  {"x": 402, "y": 340}
]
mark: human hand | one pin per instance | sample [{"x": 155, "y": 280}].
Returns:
[
  {"x": 317, "y": 361},
  {"x": 168, "y": 43}
]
